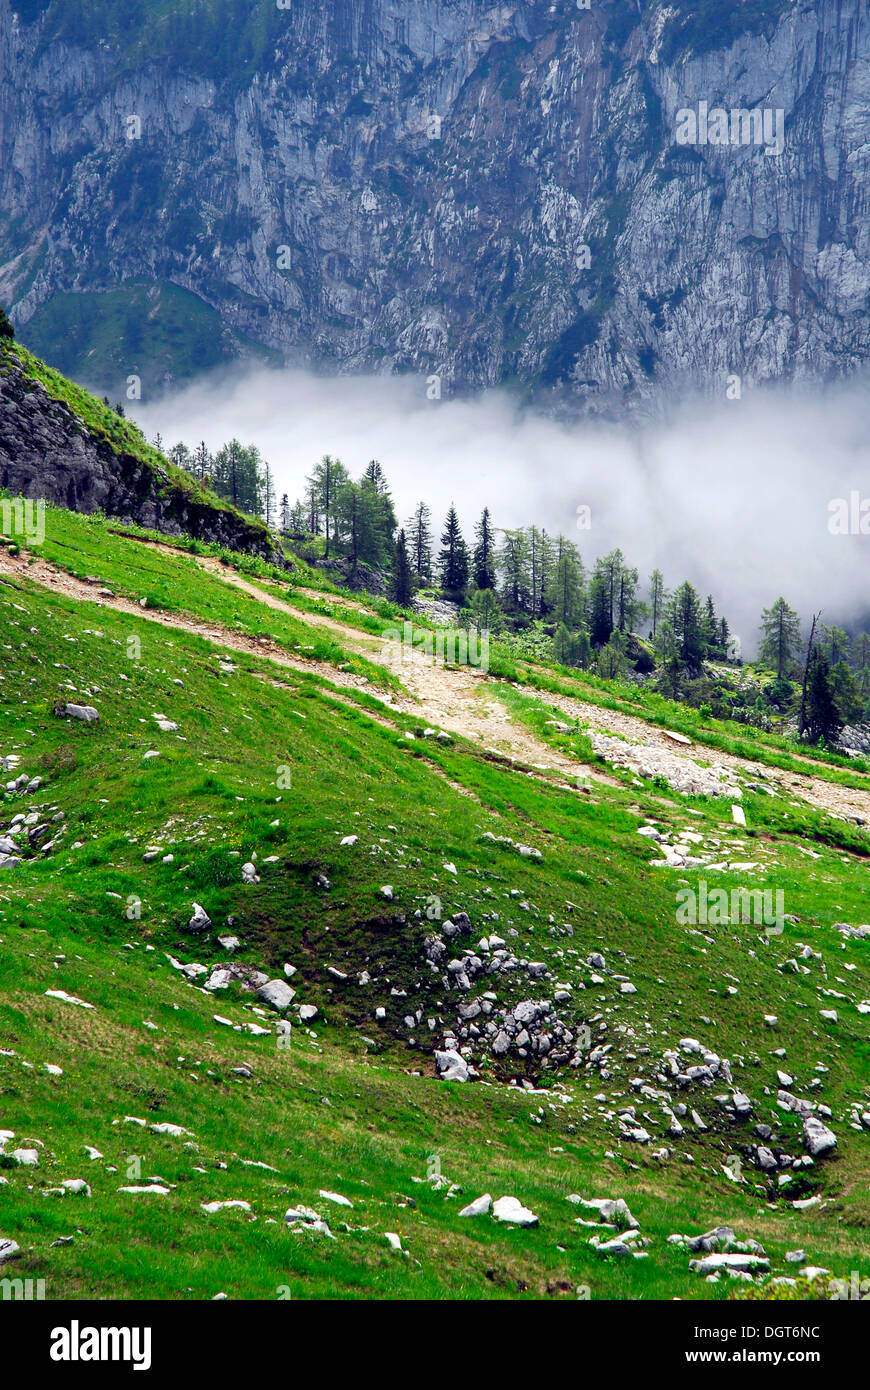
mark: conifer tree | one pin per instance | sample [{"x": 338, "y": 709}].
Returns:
[
  {"x": 513, "y": 564},
  {"x": 566, "y": 596},
  {"x": 453, "y": 562},
  {"x": 823, "y": 717},
  {"x": 483, "y": 560},
  {"x": 418, "y": 531},
  {"x": 326, "y": 481},
  {"x": 402, "y": 575},
  {"x": 684, "y": 615},
  {"x": 657, "y": 599},
  {"x": 781, "y": 638}
]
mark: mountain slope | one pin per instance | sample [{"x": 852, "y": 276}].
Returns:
[
  {"x": 486, "y": 194},
  {"x": 59, "y": 444},
  {"x": 136, "y": 820}
]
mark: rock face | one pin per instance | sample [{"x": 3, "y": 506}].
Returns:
[
  {"x": 455, "y": 188},
  {"x": 47, "y": 453}
]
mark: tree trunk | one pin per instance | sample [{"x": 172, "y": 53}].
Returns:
[{"x": 802, "y": 721}]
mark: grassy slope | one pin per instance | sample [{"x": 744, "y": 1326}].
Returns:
[
  {"x": 85, "y": 545},
  {"x": 334, "y": 1111}
]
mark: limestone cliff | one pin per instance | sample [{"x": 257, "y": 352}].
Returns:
[{"x": 480, "y": 192}]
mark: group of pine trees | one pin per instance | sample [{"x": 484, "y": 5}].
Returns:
[
  {"x": 832, "y": 669},
  {"x": 510, "y": 578},
  {"x": 237, "y": 472},
  {"x": 515, "y": 580}
]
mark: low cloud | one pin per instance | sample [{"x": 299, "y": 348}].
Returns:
[{"x": 733, "y": 497}]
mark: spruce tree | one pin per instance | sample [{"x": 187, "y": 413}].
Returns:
[
  {"x": 600, "y": 605},
  {"x": 483, "y": 561},
  {"x": 402, "y": 576},
  {"x": 453, "y": 562},
  {"x": 202, "y": 460},
  {"x": 861, "y": 662},
  {"x": 312, "y": 505},
  {"x": 419, "y": 535},
  {"x": 566, "y": 596},
  {"x": 297, "y": 524},
  {"x": 268, "y": 494},
  {"x": 710, "y": 626},
  {"x": 181, "y": 456},
  {"x": 486, "y": 610},
  {"x": 836, "y": 644},
  {"x": 628, "y": 607},
  {"x": 823, "y": 717}
]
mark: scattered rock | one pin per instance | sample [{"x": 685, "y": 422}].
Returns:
[
  {"x": 737, "y": 1261},
  {"x": 277, "y": 994},
  {"x": 481, "y": 1206},
  {"x": 818, "y": 1138},
  {"x": 511, "y": 1210},
  {"x": 200, "y": 921},
  {"x": 86, "y": 713}
]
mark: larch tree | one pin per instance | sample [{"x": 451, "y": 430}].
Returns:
[{"x": 780, "y": 638}]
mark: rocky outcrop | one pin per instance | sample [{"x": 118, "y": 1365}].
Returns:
[
  {"x": 855, "y": 740},
  {"x": 459, "y": 190},
  {"x": 47, "y": 453}
]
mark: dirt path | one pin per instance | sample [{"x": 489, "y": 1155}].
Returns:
[
  {"x": 451, "y": 698},
  {"x": 459, "y": 699},
  {"x": 40, "y": 572},
  {"x": 456, "y": 698}
]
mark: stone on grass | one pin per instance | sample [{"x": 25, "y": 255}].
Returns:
[
  {"x": 737, "y": 1262},
  {"x": 451, "y": 1066},
  {"x": 611, "y": 1209},
  {"x": 511, "y": 1210},
  {"x": 67, "y": 998},
  {"x": 277, "y": 994},
  {"x": 818, "y": 1138},
  {"x": 200, "y": 921},
  {"x": 613, "y": 1247},
  {"x": 86, "y": 713},
  {"x": 481, "y": 1206},
  {"x": 307, "y": 1219},
  {"x": 77, "y": 1186},
  {"x": 26, "y": 1158}
]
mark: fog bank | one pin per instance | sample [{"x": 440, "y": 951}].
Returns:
[{"x": 733, "y": 497}]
